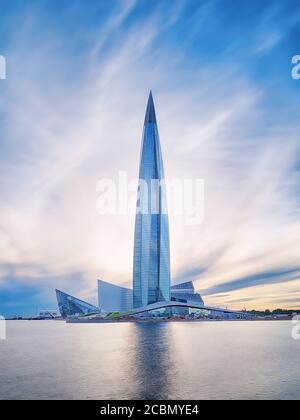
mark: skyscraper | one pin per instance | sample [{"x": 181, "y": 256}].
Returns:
[
  {"x": 151, "y": 270},
  {"x": 152, "y": 294}
]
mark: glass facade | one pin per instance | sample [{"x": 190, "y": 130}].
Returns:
[
  {"x": 188, "y": 312},
  {"x": 187, "y": 286},
  {"x": 174, "y": 312},
  {"x": 114, "y": 298},
  {"x": 185, "y": 292},
  {"x": 69, "y": 305},
  {"x": 151, "y": 270}
]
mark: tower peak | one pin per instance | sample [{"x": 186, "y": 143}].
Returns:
[{"x": 150, "y": 116}]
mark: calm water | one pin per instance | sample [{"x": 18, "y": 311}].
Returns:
[{"x": 54, "y": 360}]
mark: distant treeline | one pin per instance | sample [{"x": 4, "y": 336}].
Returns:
[{"x": 267, "y": 312}]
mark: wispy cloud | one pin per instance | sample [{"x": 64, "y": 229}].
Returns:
[
  {"x": 72, "y": 112},
  {"x": 276, "y": 276}
]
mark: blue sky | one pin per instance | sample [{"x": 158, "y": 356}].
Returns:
[{"x": 71, "y": 112}]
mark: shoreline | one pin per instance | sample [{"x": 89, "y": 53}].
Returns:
[{"x": 147, "y": 321}]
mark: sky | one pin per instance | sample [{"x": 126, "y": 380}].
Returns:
[{"x": 71, "y": 113}]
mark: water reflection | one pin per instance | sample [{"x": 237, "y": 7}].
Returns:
[
  {"x": 152, "y": 360},
  {"x": 168, "y": 360}
]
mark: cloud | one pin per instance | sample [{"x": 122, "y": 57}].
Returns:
[
  {"x": 22, "y": 293},
  {"x": 276, "y": 276},
  {"x": 72, "y": 113}
]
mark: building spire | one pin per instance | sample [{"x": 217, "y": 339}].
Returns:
[
  {"x": 151, "y": 262},
  {"x": 150, "y": 116}
]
